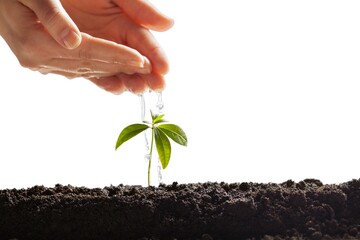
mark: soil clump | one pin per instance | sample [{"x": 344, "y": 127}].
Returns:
[{"x": 291, "y": 210}]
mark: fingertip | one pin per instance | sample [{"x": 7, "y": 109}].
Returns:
[
  {"x": 172, "y": 23},
  {"x": 160, "y": 62},
  {"x": 162, "y": 25},
  {"x": 110, "y": 84},
  {"x": 156, "y": 83},
  {"x": 134, "y": 83},
  {"x": 169, "y": 25}
]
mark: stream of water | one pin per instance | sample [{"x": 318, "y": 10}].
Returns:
[{"x": 146, "y": 100}]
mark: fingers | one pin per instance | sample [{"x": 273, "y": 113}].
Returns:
[
  {"x": 136, "y": 83},
  {"x": 156, "y": 82},
  {"x": 110, "y": 84},
  {"x": 72, "y": 68},
  {"x": 99, "y": 55},
  {"x": 146, "y": 44},
  {"x": 63, "y": 50},
  {"x": 109, "y": 52},
  {"x": 144, "y": 13},
  {"x": 56, "y": 21},
  {"x": 119, "y": 84},
  {"x": 93, "y": 58}
]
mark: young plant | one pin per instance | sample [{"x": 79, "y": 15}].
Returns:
[{"x": 161, "y": 131}]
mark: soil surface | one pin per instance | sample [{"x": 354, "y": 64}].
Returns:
[{"x": 290, "y": 210}]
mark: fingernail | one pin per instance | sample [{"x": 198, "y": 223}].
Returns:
[
  {"x": 172, "y": 22},
  {"x": 143, "y": 67},
  {"x": 147, "y": 64},
  {"x": 70, "y": 39}
]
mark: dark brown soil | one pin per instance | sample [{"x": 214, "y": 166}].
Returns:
[{"x": 303, "y": 210}]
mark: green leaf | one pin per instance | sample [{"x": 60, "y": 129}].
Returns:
[
  {"x": 130, "y": 132},
  {"x": 174, "y": 132},
  {"x": 159, "y": 119},
  {"x": 163, "y": 147}
]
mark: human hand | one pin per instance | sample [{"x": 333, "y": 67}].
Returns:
[
  {"x": 126, "y": 22},
  {"x": 35, "y": 31}
]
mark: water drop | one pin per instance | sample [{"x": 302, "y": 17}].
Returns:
[
  {"x": 142, "y": 107},
  {"x": 147, "y": 157},
  {"x": 143, "y": 110},
  {"x": 159, "y": 172},
  {"x": 160, "y": 103},
  {"x": 147, "y": 147}
]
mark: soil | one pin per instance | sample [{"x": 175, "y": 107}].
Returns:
[{"x": 291, "y": 210}]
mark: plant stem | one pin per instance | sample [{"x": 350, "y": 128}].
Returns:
[{"x": 151, "y": 149}]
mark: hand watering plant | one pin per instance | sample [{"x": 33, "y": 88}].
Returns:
[{"x": 161, "y": 131}]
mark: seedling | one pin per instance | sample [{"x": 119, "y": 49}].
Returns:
[{"x": 161, "y": 131}]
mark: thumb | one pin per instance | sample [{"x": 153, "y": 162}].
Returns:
[{"x": 56, "y": 21}]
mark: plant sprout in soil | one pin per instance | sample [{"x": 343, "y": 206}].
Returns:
[{"x": 161, "y": 131}]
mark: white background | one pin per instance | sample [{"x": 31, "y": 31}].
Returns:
[{"x": 266, "y": 91}]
